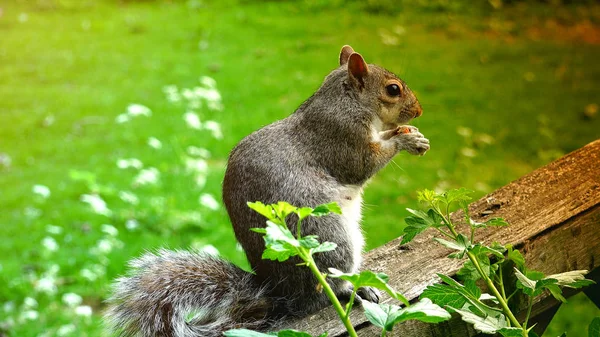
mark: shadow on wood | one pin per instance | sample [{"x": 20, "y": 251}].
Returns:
[{"x": 554, "y": 216}]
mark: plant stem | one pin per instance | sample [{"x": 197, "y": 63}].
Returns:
[
  {"x": 490, "y": 284},
  {"x": 350, "y": 303},
  {"x": 330, "y": 294},
  {"x": 529, "y": 305},
  {"x": 495, "y": 292}
]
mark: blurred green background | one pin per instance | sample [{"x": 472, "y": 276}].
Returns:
[{"x": 114, "y": 136}]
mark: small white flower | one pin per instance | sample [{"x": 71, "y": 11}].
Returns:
[
  {"x": 198, "y": 151},
  {"x": 138, "y": 110},
  {"x": 468, "y": 152},
  {"x": 131, "y": 162},
  {"x": 23, "y": 17},
  {"x": 209, "y": 202},
  {"x": 464, "y": 131},
  {"x": 30, "y": 315},
  {"x": 41, "y": 190},
  {"x": 129, "y": 197},
  {"x": 147, "y": 176},
  {"x": 214, "y": 128},
  {"x": 72, "y": 299},
  {"x": 200, "y": 180},
  {"x": 210, "y": 250},
  {"x": 66, "y": 330},
  {"x": 131, "y": 224},
  {"x": 109, "y": 229},
  {"x": 50, "y": 244},
  {"x": 83, "y": 310},
  {"x": 154, "y": 143},
  {"x": 46, "y": 284},
  {"x": 122, "y": 118},
  {"x": 5, "y": 160},
  {"x": 8, "y": 306},
  {"x": 104, "y": 246},
  {"x": 192, "y": 120},
  {"x": 54, "y": 229},
  {"x": 30, "y": 302},
  {"x": 194, "y": 165},
  {"x": 172, "y": 94},
  {"x": 88, "y": 274},
  {"x": 97, "y": 204},
  {"x": 188, "y": 94},
  {"x": 208, "y": 81}
]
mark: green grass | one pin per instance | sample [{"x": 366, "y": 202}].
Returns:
[{"x": 81, "y": 63}]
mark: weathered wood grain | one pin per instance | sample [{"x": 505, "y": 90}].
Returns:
[{"x": 554, "y": 214}]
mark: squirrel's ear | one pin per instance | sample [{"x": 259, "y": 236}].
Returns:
[
  {"x": 357, "y": 68},
  {"x": 345, "y": 54}
]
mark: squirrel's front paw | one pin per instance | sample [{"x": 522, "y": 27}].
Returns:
[
  {"x": 369, "y": 294},
  {"x": 410, "y": 139}
]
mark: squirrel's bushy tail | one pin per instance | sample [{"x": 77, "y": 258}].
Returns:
[{"x": 185, "y": 294}]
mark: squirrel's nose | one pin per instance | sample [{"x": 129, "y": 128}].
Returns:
[{"x": 418, "y": 111}]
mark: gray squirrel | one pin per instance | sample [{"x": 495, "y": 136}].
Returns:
[{"x": 325, "y": 151}]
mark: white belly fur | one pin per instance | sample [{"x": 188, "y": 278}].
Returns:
[{"x": 351, "y": 205}]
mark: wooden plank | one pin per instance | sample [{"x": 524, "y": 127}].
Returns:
[{"x": 553, "y": 213}]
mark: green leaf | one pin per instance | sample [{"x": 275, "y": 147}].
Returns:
[
  {"x": 259, "y": 230},
  {"x": 511, "y": 332},
  {"x": 515, "y": 256},
  {"x": 325, "y": 209},
  {"x": 449, "y": 244},
  {"x": 469, "y": 272},
  {"x": 480, "y": 249},
  {"x": 528, "y": 285},
  {"x": 303, "y": 212},
  {"x": 556, "y": 292},
  {"x": 245, "y": 333},
  {"x": 533, "y": 287},
  {"x": 487, "y": 324},
  {"x": 497, "y": 222},
  {"x": 309, "y": 241},
  {"x": 262, "y": 209},
  {"x": 367, "y": 278},
  {"x": 324, "y": 247},
  {"x": 280, "y": 244},
  {"x": 594, "y": 328},
  {"x": 379, "y": 314},
  {"x": 418, "y": 222},
  {"x": 460, "y": 195},
  {"x": 282, "y": 209},
  {"x": 444, "y": 295},
  {"x": 454, "y": 294},
  {"x": 571, "y": 279},
  {"x": 386, "y": 316},
  {"x": 414, "y": 226},
  {"x": 426, "y": 196},
  {"x": 424, "y": 311}
]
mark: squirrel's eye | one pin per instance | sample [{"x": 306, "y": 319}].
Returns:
[{"x": 393, "y": 90}]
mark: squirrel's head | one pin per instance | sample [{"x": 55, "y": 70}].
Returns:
[{"x": 380, "y": 89}]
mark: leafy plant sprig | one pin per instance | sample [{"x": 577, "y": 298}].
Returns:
[
  {"x": 489, "y": 313},
  {"x": 281, "y": 244}
]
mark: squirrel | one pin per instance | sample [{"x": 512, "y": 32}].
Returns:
[{"x": 327, "y": 150}]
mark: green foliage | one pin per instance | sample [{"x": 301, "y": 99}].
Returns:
[
  {"x": 467, "y": 300},
  {"x": 280, "y": 245},
  {"x": 594, "y": 328},
  {"x": 386, "y": 316}
]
